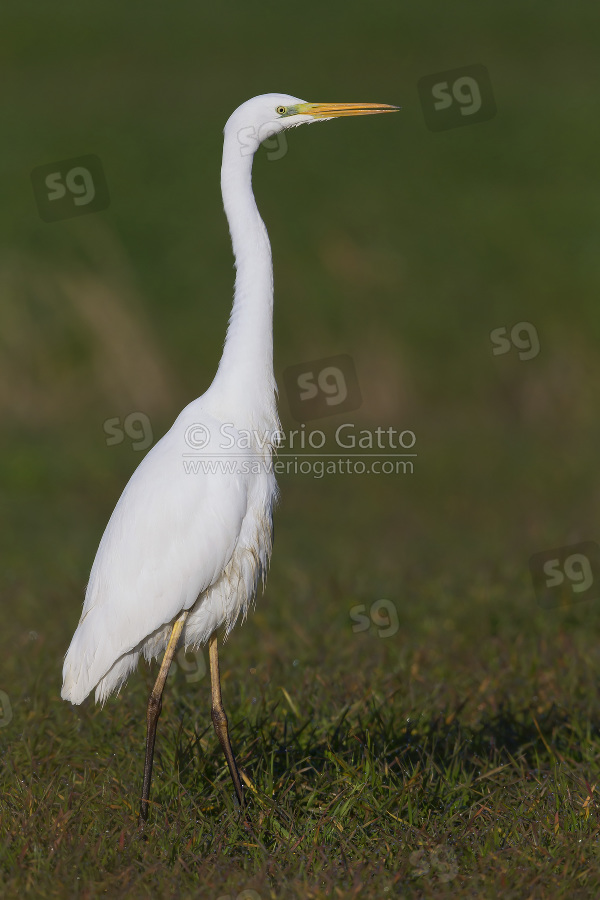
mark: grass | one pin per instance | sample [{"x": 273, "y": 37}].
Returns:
[{"x": 459, "y": 755}]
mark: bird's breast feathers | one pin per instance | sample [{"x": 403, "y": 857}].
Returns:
[{"x": 194, "y": 521}]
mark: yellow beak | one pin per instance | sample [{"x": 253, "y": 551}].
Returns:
[{"x": 334, "y": 110}]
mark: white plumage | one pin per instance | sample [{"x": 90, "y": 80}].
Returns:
[
  {"x": 177, "y": 540},
  {"x": 206, "y": 542}
]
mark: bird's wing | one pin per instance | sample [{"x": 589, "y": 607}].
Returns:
[{"x": 171, "y": 535}]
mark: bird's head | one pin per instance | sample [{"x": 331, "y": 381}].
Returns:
[{"x": 268, "y": 114}]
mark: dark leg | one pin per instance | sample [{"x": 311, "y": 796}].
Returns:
[
  {"x": 219, "y": 718},
  {"x": 154, "y": 708}
]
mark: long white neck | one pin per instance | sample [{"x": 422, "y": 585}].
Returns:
[{"x": 245, "y": 382}]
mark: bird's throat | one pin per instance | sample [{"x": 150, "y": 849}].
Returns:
[{"x": 245, "y": 378}]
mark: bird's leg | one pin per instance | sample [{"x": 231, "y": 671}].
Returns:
[
  {"x": 219, "y": 719},
  {"x": 154, "y": 708}
]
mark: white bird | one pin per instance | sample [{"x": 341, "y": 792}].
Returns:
[{"x": 191, "y": 534}]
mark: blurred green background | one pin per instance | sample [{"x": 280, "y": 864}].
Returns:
[{"x": 403, "y": 247}]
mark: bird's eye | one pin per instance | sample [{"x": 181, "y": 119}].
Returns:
[{"x": 281, "y": 110}]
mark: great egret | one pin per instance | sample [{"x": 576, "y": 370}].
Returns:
[{"x": 185, "y": 548}]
